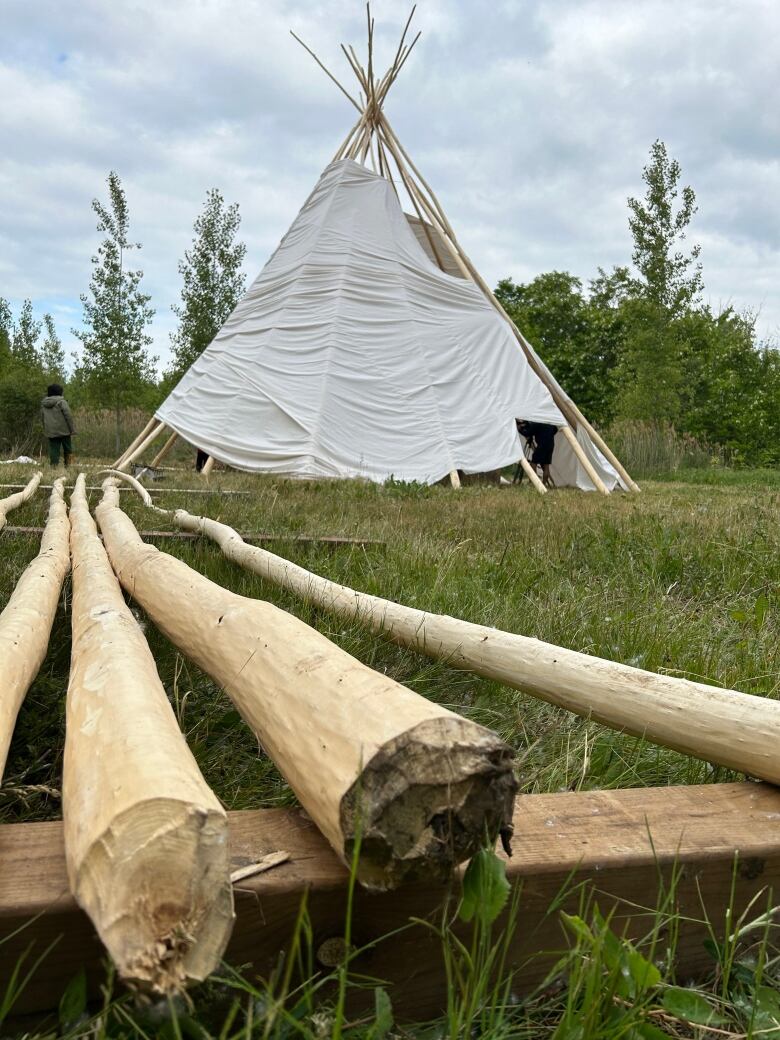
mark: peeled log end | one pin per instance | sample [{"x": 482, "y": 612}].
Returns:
[
  {"x": 428, "y": 800},
  {"x": 156, "y": 886}
]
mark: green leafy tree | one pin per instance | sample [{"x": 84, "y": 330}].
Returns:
[
  {"x": 52, "y": 354},
  {"x": 26, "y": 333},
  {"x": 213, "y": 280},
  {"x": 669, "y": 276},
  {"x": 115, "y": 367},
  {"x": 5, "y": 334},
  {"x": 573, "y": 338}
]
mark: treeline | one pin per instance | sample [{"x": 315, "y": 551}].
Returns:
[
  {"x": 115, "y": 369},
  {"x": 636, "y": 343},
  {"x": 639, "y": 344}
]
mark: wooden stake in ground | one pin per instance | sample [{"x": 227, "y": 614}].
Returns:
[
  {"x": 145, "y": 839},
  {"x": 420, "y": 786},
  {"x": 13, "y": 501},
  {"x": 734, "y": 729},
  {"x": 25, "y": 624}
]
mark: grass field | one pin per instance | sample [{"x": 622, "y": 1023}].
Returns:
[{"x": 682, "y": 579}]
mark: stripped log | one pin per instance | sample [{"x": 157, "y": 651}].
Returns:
[
  {"x": 25, "y": 624},
  {"x": 146, "y": 840},
  {"x": 416, "y": 786},
  {"x": 13, "y": 501},
  {"x": 733, "y": 729}
]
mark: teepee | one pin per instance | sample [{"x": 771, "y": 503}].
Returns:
[{"x": 369, "y": 345}]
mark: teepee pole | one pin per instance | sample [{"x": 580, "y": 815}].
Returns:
[
  {"x": 567, "y": 407},
  {"x": 146, "y": 842},
  {"x": 164, "y": 450},
  {"x": 18, "y": 499},
  {"x": 583, "y": 460},
  {"x": 455, "y": 479},
  {"x": 208, "y": 466},
  {"x": 135, "y": 442},
  {"x": 138, "y": 451},
  {"x": 734, "y": 729},
  {"x": 423, "y": 786},
  {"x": 25, "y": 624},
  {"x": 532, "y": 475}
]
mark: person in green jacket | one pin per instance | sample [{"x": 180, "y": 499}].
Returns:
[{"x": 57, "y": 424}]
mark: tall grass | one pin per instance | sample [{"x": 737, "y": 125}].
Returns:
[
  {"x": 655, "y": 449},
  {"x": 681, "y": 579}
]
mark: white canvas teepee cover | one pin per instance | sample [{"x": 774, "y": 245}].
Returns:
[{"x": 353, "y": 355}]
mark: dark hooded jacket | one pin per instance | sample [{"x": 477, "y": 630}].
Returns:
[{"x": 57, "y": 419}]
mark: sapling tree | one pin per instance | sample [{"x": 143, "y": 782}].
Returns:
[
  {"x": 52, "y": 355},
  {"x": 115, "y": 365},
  {"x": 212, "y": 277}
]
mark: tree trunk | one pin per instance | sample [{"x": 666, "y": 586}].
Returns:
[
  {"x": 145, "y": 839},
  {"x": 25, "y": 624},
  {"x": 419, "y": 786}
]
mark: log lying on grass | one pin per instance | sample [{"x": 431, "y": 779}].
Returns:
[
  {"x": 146, "y": 840},
  {"x": 733, "y": 729},
  {"x": 419, "y": 787},
  {"x": 25, "y": 624},
  {"x": 7, "y": 504}
]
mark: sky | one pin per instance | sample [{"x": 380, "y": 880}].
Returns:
[{"x": 531, "y": 119}]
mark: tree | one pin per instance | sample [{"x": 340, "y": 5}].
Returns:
[
  {"x": 573, "y": 337},
  {"x": 51, "y": 352},
  {"x": 213, "y": 280},
  {"x": 115, "y": 366},
  {"x": 5, "y": 334},
  {"x": 670, "y": 278},
  {"x": 24, "y": 343}
]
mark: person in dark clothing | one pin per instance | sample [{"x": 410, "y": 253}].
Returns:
[
  {"x": 542, "y": 437},
  {"x": 57, "y": 424}
]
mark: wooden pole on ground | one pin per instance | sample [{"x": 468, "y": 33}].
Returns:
[
  {"x": 164, "y": 451},
  {"x": 136, "y": 441},
  {"x": 25, "y": 624},
  {"x": 421, "y": 786},
  {"x": 145, "y": 838},
  {"x": 141, "y": 448},
  {"x": 584, "y": 461},
  {"x": 14, "y": 501},
  {"x": 728, "y": 727}
]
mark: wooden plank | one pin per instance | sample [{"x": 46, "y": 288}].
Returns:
[
  {"x": 251, "y": 538},
  {"x": 618, "y": 842}
]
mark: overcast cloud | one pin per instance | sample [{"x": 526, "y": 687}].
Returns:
[{"x": 532, "y": 121}]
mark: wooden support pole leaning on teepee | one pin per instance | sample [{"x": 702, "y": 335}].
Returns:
[
  {"x": 583, "y": 460},
  {"x": 455, "y": 479},
  {"x": 135, "y": 442},
  {"x": 12, "y": 502},
  {"x": 163, "y": 451},
  {"x": 138, "y": 451},
  {"x": 208, "y": 466},
  {"x": 730, "y": 728},
  {"x": 145, "y": 839},
  {"x": 435, "y": 210},
  {"x": 418, "y": 786},
  {"x": 25, "y": 624},
  {"x": 532, "y": 475}
]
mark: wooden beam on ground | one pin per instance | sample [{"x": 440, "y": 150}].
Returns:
[
  {"x": 621, "y": 844},
  {"x": 252, "y": 539},
  {"x": 12, "y": 502},
  {"x": 151, "y": 490}
]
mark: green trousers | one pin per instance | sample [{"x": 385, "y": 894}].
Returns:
[{"x": 54, "y": 450}]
